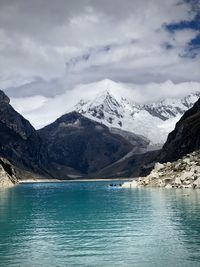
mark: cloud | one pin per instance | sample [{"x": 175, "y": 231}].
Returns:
[{"x": 50, "y": 46}]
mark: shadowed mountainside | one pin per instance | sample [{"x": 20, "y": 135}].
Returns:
[
  {"x": 19, "y": 141},
  {"x": 82, "y": 144},
  {"x": 185, "y": 138}
]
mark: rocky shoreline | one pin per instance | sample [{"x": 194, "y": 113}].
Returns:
[
  {"x": 7, "y": 174},
  {"x": 183, "y": 173}
]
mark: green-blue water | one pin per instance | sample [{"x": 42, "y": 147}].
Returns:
[{"x": 88, "y": 224}]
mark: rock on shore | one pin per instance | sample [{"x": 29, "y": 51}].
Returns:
[
  {"x": 7, "y": 174},
  {"x": 183, "y": 173}
]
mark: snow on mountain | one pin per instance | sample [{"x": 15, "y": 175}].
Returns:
[
  {"x": 153, "y": 120},
  {"x": 131, "y": 107}
]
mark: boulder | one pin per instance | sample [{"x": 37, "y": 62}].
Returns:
[
  {"x": 158, "y": 166},
  {"x": 187, "y": 182},
  {"x": 153, "y": 175},
  {"x": 133, "y": 184},
  {"x": 177, "y": 181},
  {"x": 168, "y": 164},
  {"x": 186, "y": 175},
  {"x": 126, "y": 185},
  {"x": 161, "y": 183},
  {"x": 168, "y": 186},
  {"x": 196, "y": 183},
  {"x": 186, "y": 160}
]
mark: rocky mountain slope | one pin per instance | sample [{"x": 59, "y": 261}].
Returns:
[
  {"x": 183, "y": 173},
  {"x": 186, "y": 136},
  {"x": 82, "y": 144},
  {"x": 153, "y": 120},
  {"x": 19, "y": 141}
]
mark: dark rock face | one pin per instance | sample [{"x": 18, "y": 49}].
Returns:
[
  {"x": 4, "y": 98},
  {"x": 82, "y": 144},
  {"x": 19, "y": 141},
  {"x": 185, "y": 138}
]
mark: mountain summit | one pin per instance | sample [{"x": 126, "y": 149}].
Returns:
[{"x": 153, "y": 120}]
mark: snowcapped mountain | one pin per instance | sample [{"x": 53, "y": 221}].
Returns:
[
  {"x": 152, "y": 120},
  {"x": 117, "y": 105}
]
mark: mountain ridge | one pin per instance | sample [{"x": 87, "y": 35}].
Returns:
[{"x": 154, "y": 120}]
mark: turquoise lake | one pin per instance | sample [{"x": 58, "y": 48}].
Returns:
[{"x": 90, "y": 224}]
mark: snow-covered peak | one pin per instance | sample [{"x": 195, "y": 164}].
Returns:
[
  {"x": 171, "y": 107},
  {"x": 153, "y": 120},
  {"x": 191, "y": 99},
  {"x": 105, "y": 97},
  {"x": 131, "y": 107},
  {"x": 103, "y": 107}
]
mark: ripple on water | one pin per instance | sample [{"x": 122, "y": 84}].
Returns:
[{"x": 85, "y": 224}]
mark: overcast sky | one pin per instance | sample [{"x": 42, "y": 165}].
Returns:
[{"x": 48, "y": 46}]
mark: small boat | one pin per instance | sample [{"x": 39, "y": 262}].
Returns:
[{"x": 115, "y": 185}]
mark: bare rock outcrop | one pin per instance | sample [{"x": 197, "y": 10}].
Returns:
[
  {"x": 7, "y": 174},
  {"x": 183, "y": 173}
]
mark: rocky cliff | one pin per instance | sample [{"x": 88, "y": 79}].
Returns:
[
  {"x": 19, "y": 141},
  {"x": 185, "y": 138},
  {"x": 7, "y": 174}
]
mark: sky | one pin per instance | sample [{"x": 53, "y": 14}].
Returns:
[{"x": 50, "y": 47}]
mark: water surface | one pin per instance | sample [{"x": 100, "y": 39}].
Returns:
[{"x": 90, "y": 224}]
